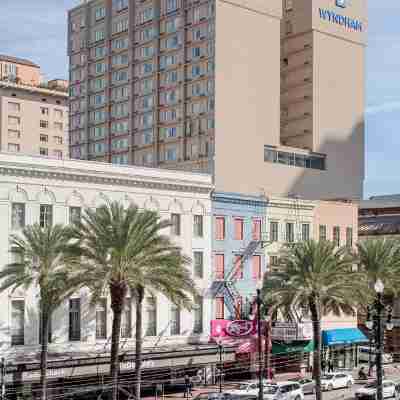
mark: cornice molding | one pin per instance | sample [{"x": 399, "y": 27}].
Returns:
[
  {"x": 291, "y": 205},
  {"x": 32, "y": 171}
]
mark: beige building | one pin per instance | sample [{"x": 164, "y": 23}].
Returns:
[
  {"x": 19, "y": 70},
  {"x": 265, "y": 94},
  {"x": 33, "y": 120},
  {"x": 318, "y": 151}
]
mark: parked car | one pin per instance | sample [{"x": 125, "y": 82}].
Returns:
[
  {"x": 247, "y": 388},
  {"x": 368, "y": 354},
  {"x": 212, "y": 396},
  {"x": 336, "y": 380},
  {"x": 307, "y": 384},
  {"x": 243, "y": 397},
  {"x": 283, "y": 391},
  {"x": 368, "y": 391}
]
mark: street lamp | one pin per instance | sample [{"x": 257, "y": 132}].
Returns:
[
  {"x": 219, "y": 343},
  {"x": 375, "y": 324},
  {"x": 260, "y": 360}
]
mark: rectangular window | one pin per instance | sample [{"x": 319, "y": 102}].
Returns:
[
  {"x": 101, "y": 319},
  {"x": 305, "y": 232},
  {"x": 14, "y": 120},
  {"x": 74, "y": 214},
  {"x": 175, "y": 320},
  {"x": 17, "y": 322},
  {"x": 58, "y": 113},
  {"x": 14, "y": 107},
  {"x": 256, "y": 229},
  {"x": 219, "y": 308},
  {"x": 349, "y": 237},
  {"x": 274, "y": 228},
  {"x": 256, "y": 267},
  {"x": 336, "y": 235},
  {"x": 44, "y": 124},
  {"x": 58, "y": 154},
  {"x": 151, "y": 316},
  {"x": 44, "y": 138},
  {"x": 289, "y": 232},
  {"x": 198, "y": 315},
  {"x": 98, "y": 35},
  {"x": 126, "y": 320},
  {"x": 14, "y": 134},
  {"x": 274, "y": 262},
  {"x": 17, "y": 215},
  {"x": 219, "y": 266},
  {"x": 75, "y": 320},
  {"x": 238, "y": 267},
  {"x": 238, "y": 231},
  {"x": 44, "y": 110},
  {"x": 58, "y": 126},
  {"x": 220, "y": 228},
  {"x": 198, "y": 225},
  {"x": 198, "y": 264},
  {"x": 322, "y": 233},
  {"x": 58, "y": 140},
  {"x": 44, "y": 151},
  {"x": 46, "y": 215},
  {"x": 13, "y": 147},
  {"x": 289, "y": 5},
  {"x": 175, "y": 224},
  {"x": 99, "y": 13}
]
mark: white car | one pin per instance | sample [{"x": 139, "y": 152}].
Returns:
[
  {"x": 336, "y": 380},
  {"x": 368, "y": 391},
  {"x": 246, "y": 388},
  {"x": 283, "y": 391}
]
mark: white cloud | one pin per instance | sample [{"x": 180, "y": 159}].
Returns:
[{"x": 382, "y": 108}]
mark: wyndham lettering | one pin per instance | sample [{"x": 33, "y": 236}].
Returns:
[{"x": 335, "y": 18}]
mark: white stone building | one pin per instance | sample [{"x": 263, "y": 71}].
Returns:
[{"x": 35, "y": 189}]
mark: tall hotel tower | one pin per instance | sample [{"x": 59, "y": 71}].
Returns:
[{"x": 265, "y": 94}]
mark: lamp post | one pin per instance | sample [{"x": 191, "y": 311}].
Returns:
[
  {"x": 375, "y": 324},
  {"x": 260, "y": 358},
  {"x": 219, "y": 343}
]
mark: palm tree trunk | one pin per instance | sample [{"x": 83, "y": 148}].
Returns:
[
  {"x": 118, "y": 294},
  {"x": 43, "y": 354},
  {"x": 315, "y": 317},
  {"x": 139, "y": 334}
]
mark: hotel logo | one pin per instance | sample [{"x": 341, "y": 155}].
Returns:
[{"x": 341, "y": 3}]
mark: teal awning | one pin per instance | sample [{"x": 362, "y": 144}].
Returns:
[{"x": 335, "y": 337}]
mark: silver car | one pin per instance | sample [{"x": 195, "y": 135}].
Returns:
[{"x": 307, "y": 384}]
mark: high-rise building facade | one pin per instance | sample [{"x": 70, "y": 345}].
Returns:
[
  {"x": 143, "y": 79},
  {"x": 267, "y": 95}
]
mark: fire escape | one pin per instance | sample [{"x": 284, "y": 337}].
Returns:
[{"x": 226, "y": 287}]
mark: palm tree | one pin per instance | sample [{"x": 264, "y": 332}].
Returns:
[
  {"x": 380, "y": 259},
  {"x": 318, "y": 277},
  {"x": 42, "y": 262},
  {"x": 124, "y": 249}
]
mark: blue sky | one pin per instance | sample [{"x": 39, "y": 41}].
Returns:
[{"x": 36, "y": 29}]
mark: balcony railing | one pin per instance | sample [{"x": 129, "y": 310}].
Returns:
[{"x": 288, "y": 331}]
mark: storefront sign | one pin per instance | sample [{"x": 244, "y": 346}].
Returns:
[
  {"x": 334, "y": 18},
  {"x": 221, "y": 328}
]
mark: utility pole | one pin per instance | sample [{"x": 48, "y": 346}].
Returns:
[
  {"x": 376, "y": 325},
  {"x": 260, "y": 358},
  {"x": 379, "y": 307},
  {"x": 3, "y": 379}
]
